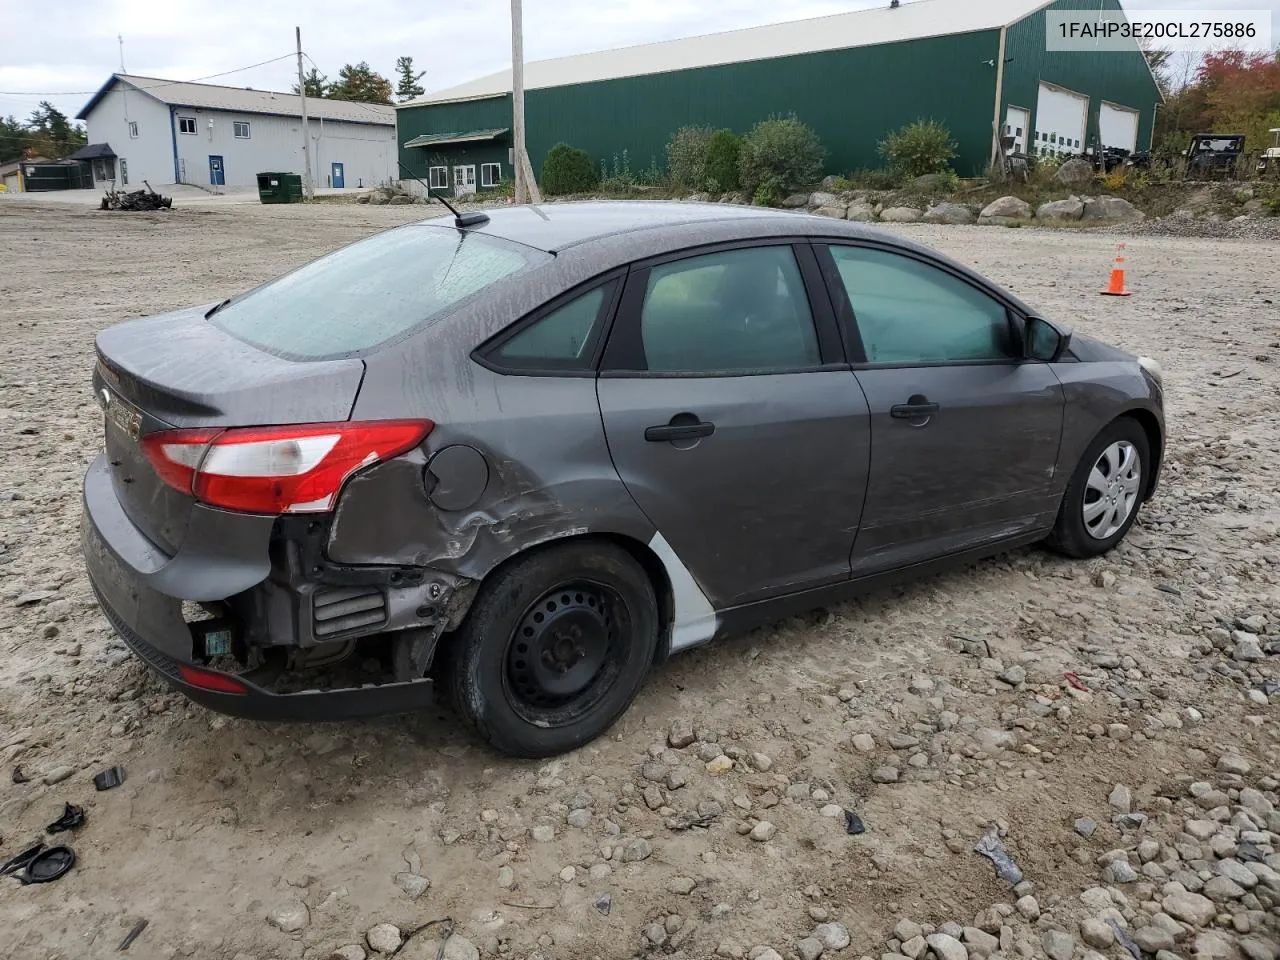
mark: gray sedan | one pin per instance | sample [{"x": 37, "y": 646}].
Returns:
[{"x": 524, "y": 457}]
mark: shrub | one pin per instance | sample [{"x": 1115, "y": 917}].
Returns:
[
  {"x": 783, "y": 150},
  {"x": 568, "y": 170},
  {"x": 924, "y": 146},
  {"x": 724, "y": 150},
  {"x": 769, "y": 193},
  {"x": 880, "y": 179},
  {"x": 687, "y": 156},
  {"x": 1115, "y": 180}
]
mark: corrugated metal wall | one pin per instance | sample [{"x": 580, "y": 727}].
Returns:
[
  {"x": 1120, "y": 78},
  {"x": 491, "y": 114}
]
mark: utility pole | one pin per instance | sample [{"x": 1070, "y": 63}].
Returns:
[
  {"x": 517, "y": 100},
  {"x": 308, "y": 190},
  {"x": 526, "y": 185}
]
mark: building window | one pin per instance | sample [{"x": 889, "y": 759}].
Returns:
[
  {"x": 133, "y": 129},
  {"x": 186, "y": 124},
  {"x": 490, "y": 174},
  {"x": 241, "y": 129},
  {"x": 438, "y": 177}
]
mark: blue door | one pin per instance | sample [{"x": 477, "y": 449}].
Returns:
[
  {"x": 217, "y": 176},
  {"x": 339, "y": 181}
]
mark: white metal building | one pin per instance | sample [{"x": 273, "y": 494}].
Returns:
[{"x": 164, "y": 131}]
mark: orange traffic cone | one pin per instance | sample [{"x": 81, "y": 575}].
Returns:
[{"x": 1116, "y": 287}]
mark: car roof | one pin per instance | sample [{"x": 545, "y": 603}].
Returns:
[{"x": 557, "y": 226}]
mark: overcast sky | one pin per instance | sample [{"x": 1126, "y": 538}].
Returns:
[{"x": 70, "y": 48}]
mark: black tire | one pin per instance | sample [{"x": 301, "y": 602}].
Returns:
[
  {"x": 577, "y": 610},
  {"x": 1070, "y": 534}
]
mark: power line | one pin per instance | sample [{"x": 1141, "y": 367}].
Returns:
[{"x": 152, "y": 86}]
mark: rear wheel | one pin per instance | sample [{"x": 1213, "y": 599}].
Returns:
[
  {"x": 555, "y": 648},
  {"x": 1105, "y": 492}
]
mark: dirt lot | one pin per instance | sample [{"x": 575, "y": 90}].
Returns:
[{"x": 930, "y": 712}]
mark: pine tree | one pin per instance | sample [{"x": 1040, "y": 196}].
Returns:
[{"x": 408, "y": 88}]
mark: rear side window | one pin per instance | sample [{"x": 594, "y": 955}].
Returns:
[
  {"x": 728, "y": 312},
  {"x": 911, "y": 312},
  {"x": 371, "y": 291},
  {"x": 562, "y": 339}
]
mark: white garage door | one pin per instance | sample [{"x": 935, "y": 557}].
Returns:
[
  {"x": 1060, "y": 121},
  {"x": 1118, "y": 126}
]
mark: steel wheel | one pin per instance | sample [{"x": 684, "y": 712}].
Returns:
[
  {"x": 565, "y": 652},
  {"x": 1112, "y": 490}
]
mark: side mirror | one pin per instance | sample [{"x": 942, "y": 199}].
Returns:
[{"x": 1044, "y": 341}]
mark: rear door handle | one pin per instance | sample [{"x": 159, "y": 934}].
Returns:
[
  {"x": 679, "y": 431},
  {"x": 914, "y": 410}
]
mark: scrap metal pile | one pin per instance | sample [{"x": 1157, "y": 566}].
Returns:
[{"x": 146, "y": 199}]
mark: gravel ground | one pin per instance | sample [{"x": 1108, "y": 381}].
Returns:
[{"x": 1140, "y": 810}]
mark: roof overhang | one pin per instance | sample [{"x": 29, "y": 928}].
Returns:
[
  {"x": 93, "y": 151},
  {"x": 447, "y": 139}
]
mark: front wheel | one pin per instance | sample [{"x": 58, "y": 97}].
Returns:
[
  {"x": 1104, "y": 493},
  {"x": 555, "y": 648}
]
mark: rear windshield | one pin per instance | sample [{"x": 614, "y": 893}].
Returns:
[{"x": 363, "y": 295}]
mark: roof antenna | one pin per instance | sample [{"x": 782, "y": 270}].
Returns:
[
  {"x": 893, "y": 4},
  {"x": 120, "y": 40},
  {"x": 460, "y": 220}
]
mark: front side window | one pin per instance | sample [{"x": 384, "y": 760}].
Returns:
[
  {"x": 911, "y": 312},
  {"x": 560, "y": 340},
  {"x": 439, "y": 178},
  {"x": 728, "y": 312},
  {"x": 241, "y": 129},
  {"x": 365, "y": 294},
  {"x": 186, "y": 124},
  {"x": 490, "y": 174}
]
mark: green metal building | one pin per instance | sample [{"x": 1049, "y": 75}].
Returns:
[{"x": 975, "y": 65}]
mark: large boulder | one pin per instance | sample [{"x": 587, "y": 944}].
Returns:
[
  {"x": 1060, "y": 210},
  {"x": 860, "y": 211},
  {"x": 1075, "y": 172},
  {"x": 948, "y": 213},
  {"x": 900, "y": 215},
  {"x": 822, "y": 199},
  {"x": 835, "y": 210},
  {"x": 829, "y": 182},
  {"x": 1005, "y": 211},
  {"x": 795, "y": 200},
  {"x": 400, "y": 199},
  {"x": 1111, "y": 208}
]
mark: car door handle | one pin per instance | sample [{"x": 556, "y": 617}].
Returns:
[
  {"x": 913, "y": 411},
  {"x": 679, "y": 431}
]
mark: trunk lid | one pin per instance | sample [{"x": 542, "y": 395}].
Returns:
[{"x": 178, "y": 370}]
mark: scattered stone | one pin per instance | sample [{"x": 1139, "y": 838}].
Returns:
[
  {"x": 413, "y": 885},
  {"x": 1223, "y": 890},
  {"x": 810, "y": 948},
  {"x": 1097, "y": 933},
  {"x": 681, "y": 886},
  {"x": 864, "y": 743},
  {"x": 1028, "y": 907},
  {"x": 1058, "y": 944},
  {"x": 1153, "y": 939},
  {"x": 383, "y": 938},
  {"x": 635, "y": 850},
  {"x": 656, "y": 934},
  {"x": 57, "y": 775},
  {"x": 763, "y": 831},
  {"x": 979, "y": 943},
  {"x": 1119, "y": 871},
  {"x": 1121, "y": 799},
  {"x": 1111, "y": 209},
  {"x": 1232, "y": 763},
  {"x": 1190, "y": 908},
  {"x": 352, "y": 951},
  {"x": 832, "y": 936},
  {"x": 1085, "y": 827},
  {"x": 719, "y": 765},
  {"x": 543, "y": 833},
  {"x": 947, "y": 947},
  {"x": 884, "y": 775},
  {"x": 1015, "y": 676},
  {"x": 761, "y": 762},
  {"x": 1256, "y": 948},
  {"x": 907, "y": 930},
  {"x": 681, "y": 734},
  {"x": 1247, "y": 650},
  {"x": 580, "y": 819},
  {"x": 290, "y": 917}
]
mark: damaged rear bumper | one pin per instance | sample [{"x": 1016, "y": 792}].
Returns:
[{"x": 136, "y": 585}]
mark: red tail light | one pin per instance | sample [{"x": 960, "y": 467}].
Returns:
[
  {"x": 293, "y": 469},
  {"x": 212, "y": 680}
]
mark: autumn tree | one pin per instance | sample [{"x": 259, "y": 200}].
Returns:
[
  {"x": 314, "y": 83},
  {"x": 361, "y": 83},
  {"x": 408, "y": 88},
  {"x": 48, "y": 133},
  {"x": 1231, "y": 91}
]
